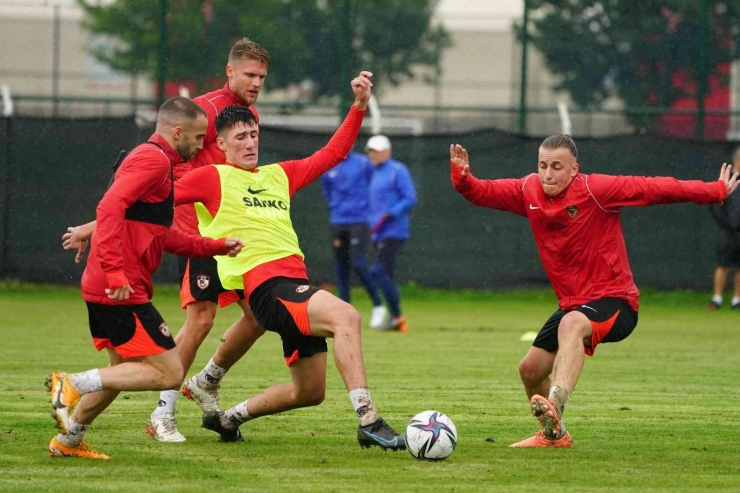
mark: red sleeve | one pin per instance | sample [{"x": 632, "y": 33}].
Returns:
[
  {"x": 304, "y": 171},
  {"x": 504, "y": 195},
  {"x": 612, "y": 192},
  {"x": 143, "y": 174},
  {"x": 191, "y": 246},
  {"x": 200, "y": 185}
]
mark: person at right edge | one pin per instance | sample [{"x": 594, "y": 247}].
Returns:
[
  {"x": 392, "y": 196},
  {"x": 575, "y": 221},
  {"x": 727, "y": 216}
]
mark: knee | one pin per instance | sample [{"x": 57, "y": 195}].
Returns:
[
  {"x": 201, "y": 321},
  {"x": 573, "y": 325},
  {"x": 171, "y": 377},
  {"x": 377, "y": 269},
  {"x": 312, "y": 397},
  {"x": 359, "y": 264},
  {"x": 350, "y": 318},
  {"x": 530, "y": 372}
]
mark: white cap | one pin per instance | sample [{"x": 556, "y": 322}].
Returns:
[{"x": 378, "y": 143}]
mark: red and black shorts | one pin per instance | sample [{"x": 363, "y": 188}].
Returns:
[
  {"x": 130, "y": 330},
  {"x": 280, "y": 305},
  {"x": 199, "y": 281},
  {"x": 612, "y": 320}
]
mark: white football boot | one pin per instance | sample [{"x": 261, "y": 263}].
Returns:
[
  {"x": 164, "y": 428},
  {"x": 206, "y": 399},
  {"x": 377, "y": 319}
]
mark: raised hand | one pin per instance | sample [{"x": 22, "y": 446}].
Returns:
[
  {"x": 459, "y": 158},
  {"x": 729, "y": 178},
  {"x": 361, "y": 88}
]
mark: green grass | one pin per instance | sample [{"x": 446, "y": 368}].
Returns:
[{"x": 657, "y": 412}]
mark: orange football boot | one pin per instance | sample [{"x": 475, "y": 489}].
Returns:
[
  {"x": 539, "y": 441},
  {"x": 83, "y": 451},
  {"x": 64, "y": 397}
]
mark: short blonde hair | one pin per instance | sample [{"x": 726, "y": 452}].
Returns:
[{"x": 246, "y": 49}]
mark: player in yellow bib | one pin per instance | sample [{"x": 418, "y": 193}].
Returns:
[{"x": 253, "y": 203}]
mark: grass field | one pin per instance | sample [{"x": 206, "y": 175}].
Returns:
[{"x": 657, "y": 412}]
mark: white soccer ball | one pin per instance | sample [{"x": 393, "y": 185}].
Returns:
[{"x": 431, "y": 435}]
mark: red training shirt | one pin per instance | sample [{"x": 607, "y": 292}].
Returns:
[
  {"x": 213, "y": 103},
  {"x": 204, "y": 185},
  {"x": 128, "y": 252},
  {"x": 578, "y": 232}
]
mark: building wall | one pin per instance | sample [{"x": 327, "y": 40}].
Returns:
[{"x": 27, "y": 59}]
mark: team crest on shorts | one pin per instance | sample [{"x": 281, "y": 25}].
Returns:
[
  {"x": 203, "y": 281},
  {"x": 302, "y": 289},
  {"x": 164, "y": 329},
  {"x": 572, "y": 210}
]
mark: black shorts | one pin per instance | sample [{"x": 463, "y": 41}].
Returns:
[
  {"x": 130, "y": 330},
  {"x": 199, "y": 281},
  {"x": 728, "y": 253},
  {"x": 280, "y": 305},
  {"x": 612, "y": 320},
  {"x": 350, "y": 240}
]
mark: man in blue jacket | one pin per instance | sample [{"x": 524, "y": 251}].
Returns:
[
  {"x": 392, "y": 195},
  {"x": 346, "y": 188}
]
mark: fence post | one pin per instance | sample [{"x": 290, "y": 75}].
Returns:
[
  {"x": 55, "y": 61},
  {"x": 162, "y": 65},
  {"x": 5, "y": 197},
  {"x": 345, "y": 50},
  {"x": 523, "y": 84},
  {"x": 703, "y": 68}
]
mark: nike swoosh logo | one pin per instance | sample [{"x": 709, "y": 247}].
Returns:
[
  {"x": 533, "y": 207},
  {"x": 255, "y": 192},
  {"x": 393, "y": 442}
]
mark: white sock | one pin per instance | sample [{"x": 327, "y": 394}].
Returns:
[
  {"x": 235, "y": 416},
  {"x": 74, "y": 436},
  {"x": 363, "y": 406},
  {"x": 212, "y": 374},
  {"x": 86, "y": 382},
  {"x": 717, "y": 298},
  {"x": 735, "y": 300},
  {"x": 167, "y": 402}
]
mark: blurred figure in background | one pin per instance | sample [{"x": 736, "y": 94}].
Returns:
[
  {"x": 346, "y": 189},
  {"x": 392, "y": 195},
  {"x": 727, "y": 216}
]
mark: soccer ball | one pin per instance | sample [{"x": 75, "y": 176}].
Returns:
[{"x": 431, "y": 435}]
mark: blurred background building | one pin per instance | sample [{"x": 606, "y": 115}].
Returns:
[{"x": 48, "y": 66}]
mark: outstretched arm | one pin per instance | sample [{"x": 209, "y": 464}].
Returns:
[
  {"x": 304, "y": 171},
  {"x": 612, "y": 192},
  {"x": 504, "y": 195},
  {"x": 192, "y": 246}
]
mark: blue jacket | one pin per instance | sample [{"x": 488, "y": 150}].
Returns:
[
  {"x": 392, "y": 195},
  {"x": 346, "y": 190}
]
